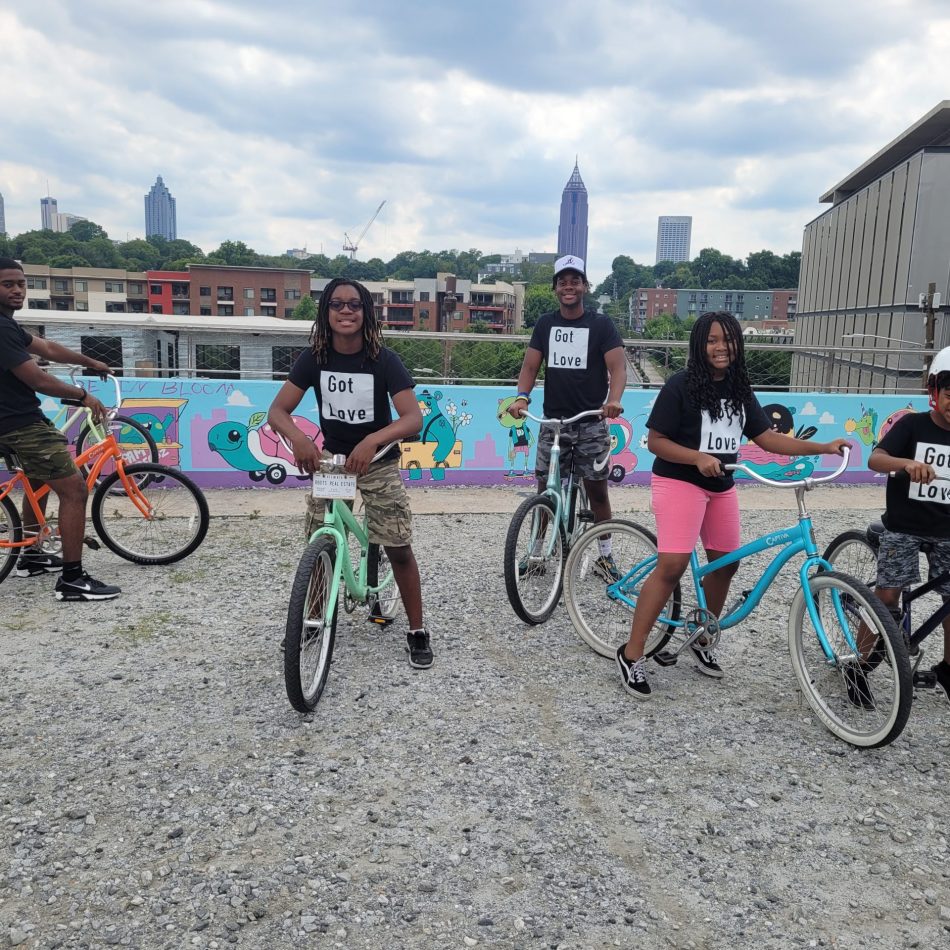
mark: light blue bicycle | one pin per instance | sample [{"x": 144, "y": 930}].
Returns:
[{"x": 848, "y": 655}]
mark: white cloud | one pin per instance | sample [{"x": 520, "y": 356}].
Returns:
[
  {"x": 237, "y": 398},
  {"x": 827, "y": 419},
  {"x": 809, "y": 409}
]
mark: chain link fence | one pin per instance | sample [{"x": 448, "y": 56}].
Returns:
[{"x": 267, "y": 350}]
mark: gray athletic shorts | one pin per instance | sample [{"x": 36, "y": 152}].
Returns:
[
  {"x": 898, "y": 560},
  {"x": 588, "y": 441}
]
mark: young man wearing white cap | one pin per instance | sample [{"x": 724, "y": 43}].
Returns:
[{"x": 585, "y": 369}]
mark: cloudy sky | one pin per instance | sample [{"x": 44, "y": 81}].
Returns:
[{"x": 284, "y": 124}]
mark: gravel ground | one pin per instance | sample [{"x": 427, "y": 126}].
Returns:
[{"x": 157, "y": 790}]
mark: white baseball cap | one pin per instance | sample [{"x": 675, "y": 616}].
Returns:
[{"x": 570, "y": 262}]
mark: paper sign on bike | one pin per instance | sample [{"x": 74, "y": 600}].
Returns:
[{"x": 333, "y": 485}]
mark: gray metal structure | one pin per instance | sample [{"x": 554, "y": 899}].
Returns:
[{"x": 867, "y": 261}]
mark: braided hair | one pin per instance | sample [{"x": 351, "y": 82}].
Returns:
[
  {"x": 700, "y": 386},
  {"x": 321, "y": 335}
]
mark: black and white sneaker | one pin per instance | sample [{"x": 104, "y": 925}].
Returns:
[
  {"x": 84, "y": 587},
  {"x": 706, "y": 660},
  {"x": 420, "y": 649},
  {"x": 942, "y": 672},
  {"x": 33, "y": 564},
  {"x": 633, "y": 675},
  {"x": 859, "y": 689}
]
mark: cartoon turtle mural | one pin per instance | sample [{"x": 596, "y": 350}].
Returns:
[{"x": 257, "y": 449}]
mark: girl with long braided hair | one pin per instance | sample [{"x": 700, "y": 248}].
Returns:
[
  {"x": 354, "y": 377},
  {"x": 695, "y": 427}
]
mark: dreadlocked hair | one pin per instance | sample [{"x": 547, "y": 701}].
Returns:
[
  {"x": 700, "y": 386},
  {"x": 321, "y": 335}
]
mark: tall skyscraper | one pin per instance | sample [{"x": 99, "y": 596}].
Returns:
[
  {"x": 160, "y": 212},
  {"x": 47, "y": 213},
  {"x": 3, "y": 217},
  {"x": 572, "y": 230},
  {"x": 673, "y": 233}
]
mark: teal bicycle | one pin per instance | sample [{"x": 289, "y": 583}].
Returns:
[
  {"x": 542, "y": 531},
  {"x": 338, "y": 566},
  {"x": 848, "y": 655}
]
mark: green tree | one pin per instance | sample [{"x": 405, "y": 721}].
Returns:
[
  {"x": 234, "y": 254},
  {"x": 140, "y": 255},
  {"x": 538, "y": 299},
  {"x": 305, "y": 310},
  {"x": 87, "y": 231}
]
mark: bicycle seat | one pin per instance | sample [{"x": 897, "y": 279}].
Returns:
[{"x": 10, "y": 460}]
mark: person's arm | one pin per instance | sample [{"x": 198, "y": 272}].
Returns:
[
  {"x": 530, "y": 367},
  {"x": 57, "y": 353},
  {"x": 664, "y": 447},
  {"x": 773, "y": 441},
  {"x": 41, "y": 382},
  {"x": 408, "y": 423},
  {"x": 306, "y": 454},
  {"x": 885, "y": 463},
  {"x": 617, "y": 368}
]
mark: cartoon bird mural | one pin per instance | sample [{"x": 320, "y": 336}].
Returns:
[{"x": 257, "y": 449}]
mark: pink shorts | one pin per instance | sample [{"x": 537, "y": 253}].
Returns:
[{"x": 686, "y": 513}]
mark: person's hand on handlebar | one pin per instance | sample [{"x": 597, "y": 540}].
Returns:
[
  {"x": 306, "y": 454},
  {"x": 611, "y": 410},
  {"x": 102, "y": 370},
  {"x": 516, "y": 409},
  {"x": 834, "y": 447},
  {"x": 95, "y": 406},
  {"x": 709, "y": 465},
  {"x": 920, "y": 472},
  {"x": 358, "y": 461}
]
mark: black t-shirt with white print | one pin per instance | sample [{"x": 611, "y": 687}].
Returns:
[
  {"x": 912, "y": 508},
  {"x": 576, "y": 377},
  {"x": 674, "y": 416},
  {"x": 19, "y": 405},
  {"x": 353, "y": 394}
]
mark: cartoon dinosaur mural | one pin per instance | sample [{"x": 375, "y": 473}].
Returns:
[
  {"x": 157, "y": 428},
  {"x": 437, "y": 448},
  {"x": 865, "y": 426},
  {"x": 257, "y": 449},
  {"x": 520, "y": 438}
]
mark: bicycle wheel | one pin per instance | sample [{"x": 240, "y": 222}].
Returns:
[
  {"x": 385, "y": 604},
  {"x": 602, "y": 621},
  {"x": 11, "y": 531},
  {"x": 177, "y": 519},
  {"x": 863, "y": 697},
  {"x": 850, "y": 553},
  {"x": 135, "y": 443},
  {"x": 532, "y": 573},
  {"x": 311, "y": 625}
]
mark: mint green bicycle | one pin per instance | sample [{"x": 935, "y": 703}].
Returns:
[{"x": 338, "y": 565}]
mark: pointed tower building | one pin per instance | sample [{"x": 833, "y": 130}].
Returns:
[
  {"x": 160, "y": 212},
  {"x": 572, "y": 230}
]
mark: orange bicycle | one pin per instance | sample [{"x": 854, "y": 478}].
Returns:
[{"x": 144, "y": 512}]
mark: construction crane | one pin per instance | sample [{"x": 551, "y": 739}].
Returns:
[{"x": 354, "y": 246}]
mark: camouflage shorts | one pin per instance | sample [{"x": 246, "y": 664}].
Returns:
[
  {"x": 41, "y": 449},
  {"x": 587, "y": 441},
  {"x": 383, "y": 494},
  {"x": 898, "y": 560}
]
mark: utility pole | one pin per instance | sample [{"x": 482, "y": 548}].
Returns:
[{"x": 928, "y": 303}]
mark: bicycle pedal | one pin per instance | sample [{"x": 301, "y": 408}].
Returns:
[
  {"x": 665, "y": 658},
  {"x": 380, "y": 620},
  {"x": 586, "y": 515},
  {"x": 91, "y": 543},
  {"x": 925, "y": 679}
]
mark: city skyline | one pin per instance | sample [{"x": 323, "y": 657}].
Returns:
[
  {"x": 763, "y": 116},
  {"x": 160, "y": 214}
]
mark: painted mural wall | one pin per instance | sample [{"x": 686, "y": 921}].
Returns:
[{"x": 216, "y": 430}]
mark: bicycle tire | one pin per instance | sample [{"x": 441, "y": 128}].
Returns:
[
  {"x": 602, "y": 623},
  {"x": 133, "y": 454},
  {"x": 11, "y": 532},
  {"x": 308, "y": 650},
  {"x": 179, "y": 520},
  {"x": 851, "y": 553},
  {"x": 384, "y": 605},
  {"x": 533, "y": 578},
  {"x": 864, "y": 703}
]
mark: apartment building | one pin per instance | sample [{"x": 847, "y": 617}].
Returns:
[{"x": 85, "y": 288}]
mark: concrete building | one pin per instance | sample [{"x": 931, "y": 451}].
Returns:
[
  {"x": 160, "y": 215},
  {"x": 63, "y": 221},
  {"x": 572, "y": 229},
  {"x": 221, "y": 291},
  {"x": 47, "y": 210},
  {"x": 673, "y": 236},
  {"x": 867, "y": 260},
  {"x": 85, "y": 288},
  {"x": 777, "y": 308},
  {"x": 3, "y": 217},
  {"x": 512, "y": 264}
]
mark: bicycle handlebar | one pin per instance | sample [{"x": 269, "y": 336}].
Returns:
[
  {"x": 338, "y": 461},
  {"x": 562, "y": 422},
  {"x": 793, "y": 483},
  {"x": 115, "y": 383}
]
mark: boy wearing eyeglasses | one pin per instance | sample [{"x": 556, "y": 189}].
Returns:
[
  {"x": 585, "y": 369},
  {"x": 354, "y": 378}
]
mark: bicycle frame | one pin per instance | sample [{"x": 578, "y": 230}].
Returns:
[{"x": 790, "y": 541}]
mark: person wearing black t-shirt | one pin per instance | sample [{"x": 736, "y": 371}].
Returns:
[
  {"x": 585, "y": 369},
  {"x": 918, "y": 508},
  {"x": 354, "y": 377},
  {"x": 695, "y": 427},
  {"x": 40, "y": 446}
]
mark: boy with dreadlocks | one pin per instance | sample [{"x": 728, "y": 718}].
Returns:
[
  {"x": 354, "y": 377},
  {"x": 695, "y": 427}
]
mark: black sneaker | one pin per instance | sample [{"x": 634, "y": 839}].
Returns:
[
  {"x": 942, "y": 672},
  {"x": 606, "y": 568},
  {"x": 84, "y": 587},
  {"x": 706, "y": 660},
  {"x": 633, "y": 676},
  {"x": 859, "y": 689},
  {"x": 30, "y": 565},
  {"x": 420, "y": 650}
]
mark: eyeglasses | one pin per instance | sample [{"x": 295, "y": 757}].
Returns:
[{"x": 339, "y": 305}]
